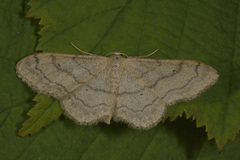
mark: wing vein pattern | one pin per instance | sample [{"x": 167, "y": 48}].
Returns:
[{"x": 95, "y": 89}]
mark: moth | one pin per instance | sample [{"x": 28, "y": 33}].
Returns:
[{"x": 135, "y": 90}]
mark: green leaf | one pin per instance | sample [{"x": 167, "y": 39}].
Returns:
[
  {"x": 208, "y": 151},
  {"x": 186, "y": 29},
  {"x": 206, "y": 31},
  {"x": 43, "y": 113}
]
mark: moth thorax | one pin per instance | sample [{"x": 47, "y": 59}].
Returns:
[{"x": 115, "y": 73}]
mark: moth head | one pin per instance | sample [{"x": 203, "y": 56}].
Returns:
[{"x": 116, "y": 54}]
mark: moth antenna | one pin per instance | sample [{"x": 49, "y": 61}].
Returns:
[
  {"x": 81, "y": 50},
  {"x": 149, "y": 54}
]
